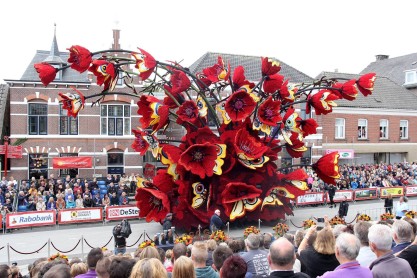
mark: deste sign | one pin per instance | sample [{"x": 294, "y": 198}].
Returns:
[{"x": 121, "y": 212}]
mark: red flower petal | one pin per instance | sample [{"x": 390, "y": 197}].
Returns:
[
  {"x": 80, "y": 58},
  {"x": 273, "y": 83},
  {"x": 188, "y": 112},
  {"x": 366, "y": 83},
  {"x": 239, "y": 105},
  {"x": 200, "y": 159},
  {"x": 323, "y": 101},
  {"x": 179, "y": 81},
  {"x": 327, "y": 167},
  {"x": 46, "y": 72},
  {"x": 72, "y": 102},
  {"x": 140, "y": 144},
  {"x": 248, "y": 146},
  {"x": 218, "y": 72},
  {"x": 269, "y": 112},
  {"x": 269, "y": 66},
  {"x": 153, "y": 204},
  {"x": 105, "y": 73},
  {"x": 145, "y": 63}
]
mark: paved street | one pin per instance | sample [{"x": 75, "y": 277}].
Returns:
[{"x": 66, "y": 237}]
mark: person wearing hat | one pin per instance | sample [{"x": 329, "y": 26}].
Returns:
[{"x": 167, "y": 222}]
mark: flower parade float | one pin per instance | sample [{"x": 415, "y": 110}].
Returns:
[{"x": 232, "y": 164}]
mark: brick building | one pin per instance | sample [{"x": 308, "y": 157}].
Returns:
[{"x": 373, "y": 129}]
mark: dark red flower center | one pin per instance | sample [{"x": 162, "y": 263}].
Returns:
[
  {"x": 238, "y": 105},
  {"x": 198, "y": 155},
  {"x": 189, "y": 111},
  {"x": 245, "y": 148},
  {"x": 269, "y": 113}
]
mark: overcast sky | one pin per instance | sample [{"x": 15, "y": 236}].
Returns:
[{"x": 311, "y": 36}]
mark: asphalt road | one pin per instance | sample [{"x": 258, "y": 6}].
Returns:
[{"x": 66, "y": 237}]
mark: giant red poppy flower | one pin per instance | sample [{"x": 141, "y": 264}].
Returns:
[
  {"x": 269, "y": 112},
  {"x": 239, "y": 105},
  {"x": 217, "y": 72},
  {"x": 309, "y": 126},
  {"x": 327, "y": 167},
  {"x": 153, "y": 113},
  {"x": 152, "y": 203},
  {"x": 347, "y": 90},
  {"x": 80, "y": 58},
  {"x": 140, "y": 144},
  {"x": 273, "y": 83},
  {"x": 366, "y": 83},
  {"x": 239, "y": 197},
  {"x": 269, "y": 66},
  {"x": 297, "y": 181},
  {"x": 287, "y": 93},
  {"x": 323, "y": 102},
  {"x": 188, "y": 112},
  {"x": 72, "y": 102},
  {"x": 295, "y": 147},
  {"x": 202, "y": 81},
  {"x": 47, "y": 73},
  {"x": 239, "y": 79},
  {"x": 105, "y": 73},
  {"x": 172, "y": 99},
  {"x": 200, "y": 159},
  {"x": 179, "y": 81},
  {"x": 291, "y": 124},
  {"x": 145, "y": 63}
]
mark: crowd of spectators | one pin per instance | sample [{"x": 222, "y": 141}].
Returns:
[
  {"x": 366, "y": 176},
  {"x": 365, "y": 249}
]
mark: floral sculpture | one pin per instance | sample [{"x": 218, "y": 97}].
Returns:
[
  {"x": 218, "y": 236},
  {"x": 58, "y": 256},
  {"x": 186, "y": 239},
  {"x": 386, "y": 216},
  {"x": 363, "y": 217},
  {"x": 147, "y": 243},
  {"x": 308, "y": 223},
  {"x": 280, "y": 229},
  {"x": 232, "y": 165},
  {"x": 410, "y": 214},
  {"x": 336, "y": 221},
  {"x": 250, "y": 230}
]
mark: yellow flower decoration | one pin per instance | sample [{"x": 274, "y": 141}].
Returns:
[
  {"x": 363, "y": 217},
  {"x": 308, "y": 223},
  {"x": 147, "y": 243},
  {"x": 280, "y": 229},
  {"x": 186, "y": 239},
  {"x": 250, "y": 230},
  {"x": 219, "y": 236}
]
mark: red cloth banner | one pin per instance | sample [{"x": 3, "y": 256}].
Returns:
[
  {"x": 68, "y": 216},
  {"x": 71, "y": 162},
  {"x": 121, "y": 212},
  {"x": 30, "y": 219}
]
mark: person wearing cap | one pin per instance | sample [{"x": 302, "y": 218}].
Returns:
[
  {"x": 167, "y": 222},
  {"x": 216, "y": 223}
]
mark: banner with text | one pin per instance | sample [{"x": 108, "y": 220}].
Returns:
[
  {"x": 311, "y": 198},
  {"x": 30, "y": 219},
  {"x": 411, "y": 191},
  {"x": 121, "y": 212},
  {"x": 366, "y": 194},
  {"x": 71, "y": 162},
  {"x": 81, "y": 215},
  {"x": 394, "y": 191},
  {"x": 340, "y": 196}
]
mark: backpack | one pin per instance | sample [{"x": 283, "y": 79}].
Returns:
[{"x": 126, "y": 230}]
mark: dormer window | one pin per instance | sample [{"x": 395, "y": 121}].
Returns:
[
  {"x": 410, "y": 78},
  {"x": 58, "y": 74}
]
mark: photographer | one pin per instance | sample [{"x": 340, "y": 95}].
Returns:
[{"x": 121, "y": 232}]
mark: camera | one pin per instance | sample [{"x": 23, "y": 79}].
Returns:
[{"x": 320, "y": 220}]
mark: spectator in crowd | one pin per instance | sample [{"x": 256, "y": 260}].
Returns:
[
  {"x": 365, "y": 256},
  {"x": 40, "y": 205},
  {"x": 51, "y": 204},
  {"x": 220, "y": 254},
  {"x": 79, "y": 202},
  {"x": 332, "y": 192},
  {"x": 124, "y": 199},
  {"x": 22, "y": 199},
  {"x": 114, "y": 201},
  {"x": 318, "y": 258},
  {"x": 31, "y": 205},
  {"x": 178, "y": 250},
  {"x": 216, "y": 223},
  {"x": 78, "y": 268},
  {"x": 70, "y": 203},
  {"x": 88, "y": 203},
  {"x": 93, "y": 257},
  {"x": 346, "y": 251},
  {"x": 60, "y": 202},
  {"x": 401, "y": 233},
  {"x": 184, "y": 268},
  {"x": 106, "y": 200},
  {"x": 255, "y": 259},
  {"x": 267, "y": 240},
  {"x": 211, "y": 244},
  {"x": 199, "y": 256},
  {"x": 413, "y": 225},
  {"x": 410, "y": 255},
  {"x": 388, "y": 203},
  {"x": 343, "y": 208},
  {"x": 386, "y": 264},
  {"x": 402, "y": 207},
  {"x": 121, "y": 267},
  {"x": 148, "y": 268},
  {"x": 97, "y": 200},
  {"x": 168, "y": 259},
  {"x": 111, "y": 188},
  {"x": 103, "y": 268},
  {"x": 149, "y": 252},
  {"x": 5, "y": 271},
  {"x": 58, "y": 271},
  {"x": 234, "y": 267}
]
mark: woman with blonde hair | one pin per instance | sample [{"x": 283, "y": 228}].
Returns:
[
  {"x": 319, "y": 257},
  {"x": 149, "y": 268},
  {"x": 184, "y": 268},
  {"x": 78, "y": 268},
  {"x": 149, "y": 252}
]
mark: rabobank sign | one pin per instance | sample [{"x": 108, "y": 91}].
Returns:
[{"x": 27, "y": 219}]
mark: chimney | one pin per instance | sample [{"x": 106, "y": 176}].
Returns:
[
  {"x": 381, "y": 57},
  {"x": 116, "y": 37}
]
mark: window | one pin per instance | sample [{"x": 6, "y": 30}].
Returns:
[
  {"x": 115, "y": 162},
  {"x": 67, "y": 125},
  {"x": 403, "y": 129},
  {"x": 38, "y": 119},
  {"x": 306, "y": 158},
  {"x": 115, "y": 120},
  {"x": 38, "y": 165},
  {"x": 340, "y": 129},
  {"x": 362, "y": 129},
  {"x": 73, "y": 172},
  {"x": 383, "y": 129},
  {"x": 120, "y": 79},
  {"x": 410, "y": 77}
]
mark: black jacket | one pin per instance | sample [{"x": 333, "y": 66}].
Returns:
[
  {"x": 343, "y": 208},
  {"x": 216, "y": 223},
  {"x": 167, "y": 224},
  {"x": 388, "y": 203},
  {"x": 332, "y": 191}
]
